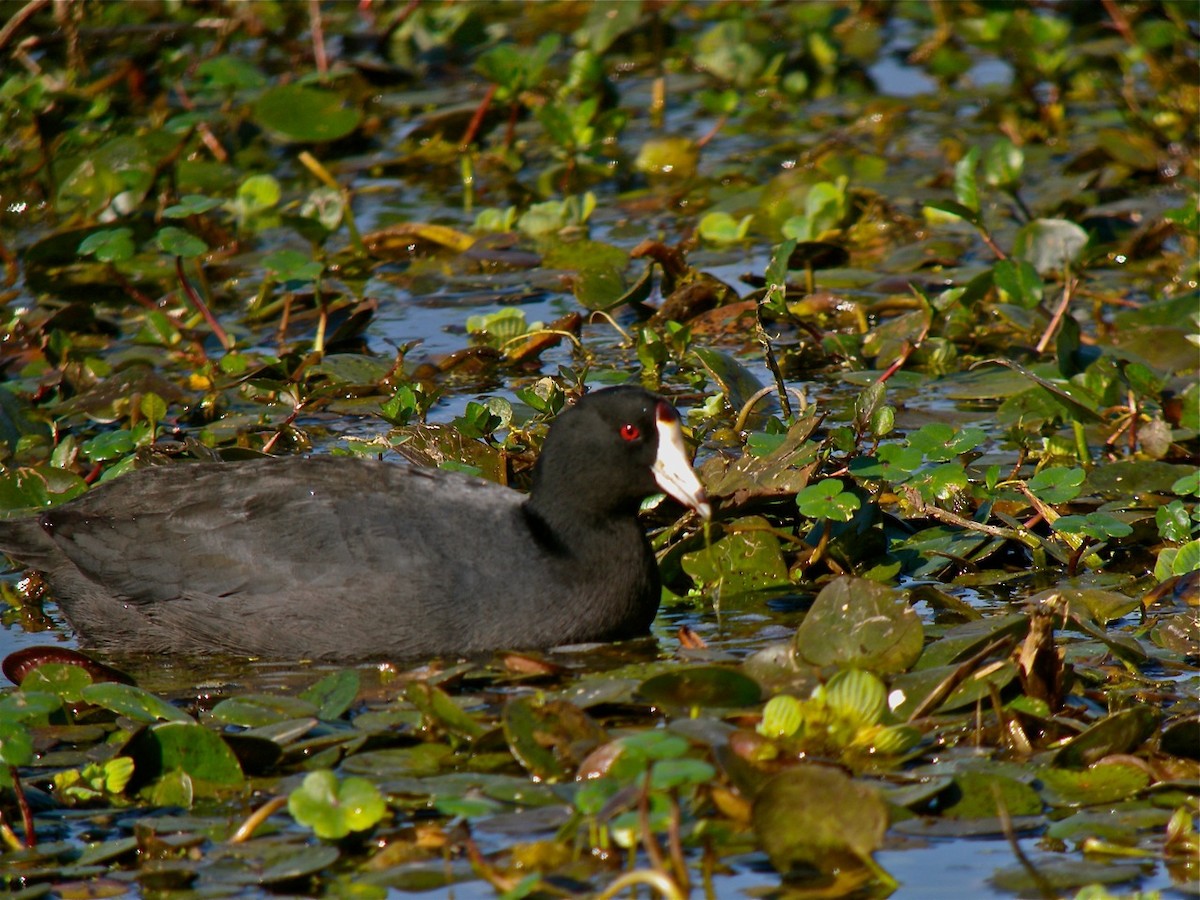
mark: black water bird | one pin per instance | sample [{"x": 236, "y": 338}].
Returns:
[{"x": 339, "y": 558}]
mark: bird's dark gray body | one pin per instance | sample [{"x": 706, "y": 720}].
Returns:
[{"x": 339, "y": 558}]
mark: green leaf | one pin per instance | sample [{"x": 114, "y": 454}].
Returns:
[
  {"x": 1186, "y": 559},
  {"x": 108, "y": 445},
  {"x": 257, "y": 194},
  {"x": 292, "y": 265},
  {"x": 30, "y": 706},
  {"x": 61, "y": 679},
  {"x": 1188, "y": 484},
  {"x": 893, "y": 463},
  {"x": 956, "y": 209},
  {"x": 857, "y": 695},
  {"x": 701, "y": 686},
  {"x": 980, "y": 795},
  {"x": 111, "y": 245},
  {"x": 966, "y": 190},
  {"x": 231, "y": 72},
  {"x": 827, "y": 499},
  {"x": 1019, "y": 280},
  {"x": 1098, "y": 525},
  {"x": 1057, "y": 484},
  {"x": 669, "y": 774},
  {"x": 1003, "y": 164},
  {"x": 184, "y": 747},
  {"x": 192, "y": 205},
  {"x": 746, "y": 558},
  {"x": 722, "y": 228},
  {"x": 939, "y": 442},
  {"x": 293, "y": 112},
  {"x": 132, "y": 702},
  {"x": 1120, "y": 732},
  {"x": 256, "y": 710},
  {"x": 781, "y": 717},
  {"x": 942, "y": 482},
  {"x": 856, "y": 623},
  {"x": 334, "y": 694},
  {"x": 16, "y": 743},
  {"x": 1101, "y": 783},
  {"x": 22, "y": 489},
  {"x": 177, "y": 242},
  {"x": 332, "y": 809},
  {"x": 813, "y": 815}
]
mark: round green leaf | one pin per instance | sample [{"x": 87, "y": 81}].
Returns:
[
  {"x": 110, "y": 245},
  {"x": 856, "y": 623},
  {"x": 257, "y": 194},
  {"x": 177, "y": 242},
  {"x": 1101, "y": 783},
  {"x": 293, "y": 112},
  {"x": 816, "y": 816},
  {"x": 16, "y": 743},
  {"x": 827, "y": 499},
  {"x": 702, "y": 686},
  {"x": 63, "y": 679},
  {"x": 333, "y": 810}
]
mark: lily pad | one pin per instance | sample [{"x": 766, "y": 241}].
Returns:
[
  {"x": 131, "y": 701},
  {"x": 183, "y": 747},
  {"x": 549, "y": 739},
  {"x": 1120, "y": 732},
  {"x": 817, "y": 817},
  {"x": 977, "y": 795},
  {"x": 704, "y": 687},
  {"x": 292, "y": 112},
  {"x": 1101, "y": 783},
  {"x": 856, "y": 623},
  {"x": 746, "y": 558}
]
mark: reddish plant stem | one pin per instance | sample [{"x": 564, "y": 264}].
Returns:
[
  {"x": 473, "y": 126},
  {"x": 200, "y": 306}
]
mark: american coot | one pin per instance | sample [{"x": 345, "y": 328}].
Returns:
[{"x": 329, "y": 558}]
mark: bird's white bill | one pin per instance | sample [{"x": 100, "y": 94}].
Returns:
[{"x": 672, "y": 468}]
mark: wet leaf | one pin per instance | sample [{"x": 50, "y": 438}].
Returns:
[
  {"x": 746, "y": 558},
  {"x": 442, "y": 711},
  {"x": 62, "y": 680},
  {"x": 1064, "y": 875},
  {"x": 181, "y": 747},
  {"x": 702, "y": 687},
  {"x": 978, "y": 795},
  {"x": 1120, "y": 732},
  {"x": 137, "y": 704},
  {"x": 549, "y": 739},
  {"x": 334, "y": 693},
  {"x": 333, "y": 808},
  {"x": 256, "y": 710},
  {"x": 912, "y": 690},
  {"x": 855, "y": 623},
  {"x": 817, "y": 817},
  {"x": 1102, "y": 783},
  {"x": 293, "y": 112}
]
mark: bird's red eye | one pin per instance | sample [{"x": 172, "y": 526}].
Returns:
[{"x": 630, "y": 432}]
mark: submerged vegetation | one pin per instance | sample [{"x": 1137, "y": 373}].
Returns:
[{"x": 924, "y": 278}]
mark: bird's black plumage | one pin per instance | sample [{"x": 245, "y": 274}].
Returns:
[{"x": 335, "y": 558}]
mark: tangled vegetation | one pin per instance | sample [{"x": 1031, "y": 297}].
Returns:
[{"x": 923, "y": 277}]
